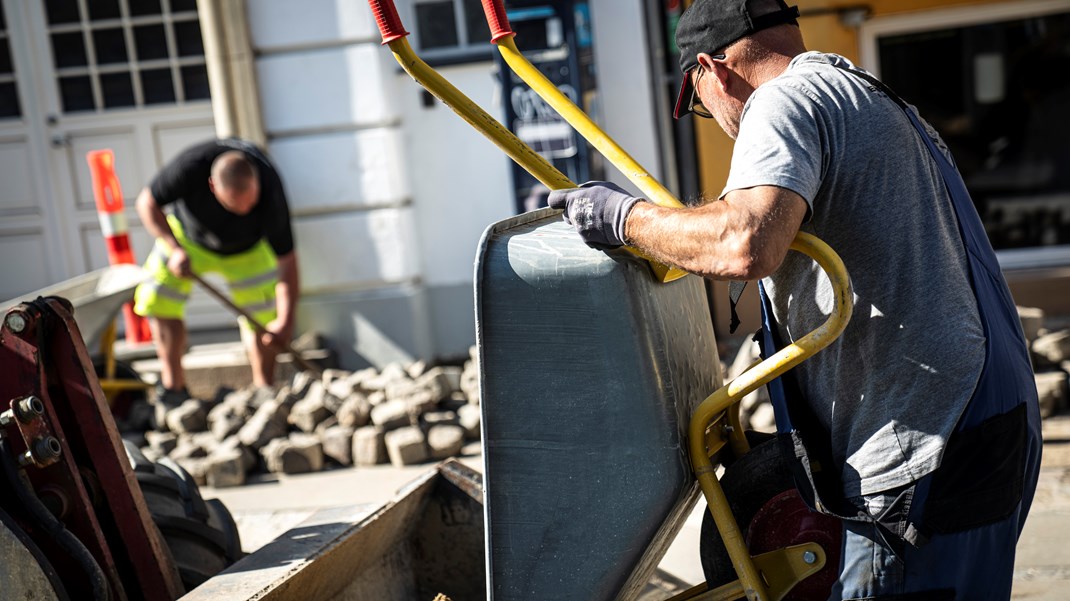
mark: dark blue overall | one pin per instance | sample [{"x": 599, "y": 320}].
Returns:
[{"x": 951, "y": 534}]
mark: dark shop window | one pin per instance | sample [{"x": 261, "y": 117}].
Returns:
[
  {"x": 999, "y": 94},
  {"x": 450, "y": 30}
]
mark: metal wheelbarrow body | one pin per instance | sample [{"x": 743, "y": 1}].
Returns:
[
  {"x": 590, "y": 370},
  {"x": 96, "y": 296}
]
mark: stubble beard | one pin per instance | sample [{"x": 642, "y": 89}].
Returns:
[{"x": 728, "y": 113}]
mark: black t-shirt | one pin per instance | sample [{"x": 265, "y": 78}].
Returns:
[{"x": 183, "y": 183}]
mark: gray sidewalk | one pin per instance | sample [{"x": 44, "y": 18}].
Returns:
[{"x": 268, "y": 508}]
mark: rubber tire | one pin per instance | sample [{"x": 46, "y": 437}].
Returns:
[
  {"x": 749, "y": 483},
  {"x": 202, "y": 536}
]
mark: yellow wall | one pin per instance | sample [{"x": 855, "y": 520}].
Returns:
[{"x": 822, "y": 32}]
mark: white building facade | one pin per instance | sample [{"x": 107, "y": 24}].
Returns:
[{"x": 389, "y": 192}]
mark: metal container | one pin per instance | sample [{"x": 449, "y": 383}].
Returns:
[{"x": 590, "y": 370}]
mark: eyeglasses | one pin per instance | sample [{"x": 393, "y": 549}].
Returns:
[{"x": 695, "y": 105}]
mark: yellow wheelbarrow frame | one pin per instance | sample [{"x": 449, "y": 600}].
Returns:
[{"x": 715, "y": 424}]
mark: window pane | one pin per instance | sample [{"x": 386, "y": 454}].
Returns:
[
  {"x": 62, "y": 11},
  {"x": 76, "y": 93},
  {"x": 150, "y": 42},
  {"x": 9, "y": 101},
  {"x": 103, "y": 9},
  {"x": 68, "y": 49},
  {"x": 5, "y": 58},
  {"x": 117, "y": 90},
  {"x": 183, "y": 6},
  {"x": 157, "y": 87},
  {"x": 141, "y": 8},
  {"x": 998, "y": 93},
  {"x": 188, "y": 38},
  {"x": 437, "y": 25},
  {"x": 195, "y": 82},
  {"x": 476, "y": 20},
  {"x": 110, "y": 46}
]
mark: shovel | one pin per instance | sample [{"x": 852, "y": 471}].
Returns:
[{"x": 277, "y": 344}]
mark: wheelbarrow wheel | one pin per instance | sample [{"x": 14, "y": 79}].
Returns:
[{"x": 762, "y": 496}]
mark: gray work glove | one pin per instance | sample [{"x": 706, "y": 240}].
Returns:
[{"x": 597, "y": 210}]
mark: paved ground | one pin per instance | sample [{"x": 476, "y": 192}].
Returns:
[{"x": 268, "y": 508}]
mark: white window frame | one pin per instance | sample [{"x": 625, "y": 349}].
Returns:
[
  {"x": 466, "y": 51},
  {"x": 967, "y": 16}
]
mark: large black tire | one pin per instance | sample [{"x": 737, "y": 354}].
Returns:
[
  {"x": 750, "y": 482},
  {"x": 202, "y": 536}
]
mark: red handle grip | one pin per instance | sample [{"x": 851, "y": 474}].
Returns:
[
  {"x": 496, "y": 19},
  {"x": 386, "y": 17}
]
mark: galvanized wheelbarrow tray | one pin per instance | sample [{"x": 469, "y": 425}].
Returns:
[{"x": 97, "y": 298}]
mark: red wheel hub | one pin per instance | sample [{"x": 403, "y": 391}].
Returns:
[{"x": 785, "y": 520}]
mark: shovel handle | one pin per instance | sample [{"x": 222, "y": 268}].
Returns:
[
  {"x": 277, "y": 344},
  {"x": 497, "y": 20},
  {"x": 386, "y": 17}
]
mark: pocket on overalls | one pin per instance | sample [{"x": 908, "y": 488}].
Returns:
[{"x": 981, "y": 477}]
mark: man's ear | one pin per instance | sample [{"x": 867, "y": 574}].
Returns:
[
  {"x": 717, "y": 68},
  {"x": 211, "y": 185}
]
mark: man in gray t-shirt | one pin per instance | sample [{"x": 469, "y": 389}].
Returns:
[
  {"x": 891, "y": 389},
  {"x": 822, "y": 150}
]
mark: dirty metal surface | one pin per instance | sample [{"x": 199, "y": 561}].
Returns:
[
  {"x": 24, "y": 571},
  {"x": 590, "y": 370},
  {"x": 426, "y": 541}
]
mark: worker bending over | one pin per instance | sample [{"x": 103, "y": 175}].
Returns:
[
  {"x": 228, "y": 215},
  {"x": 919, "y": 426}
]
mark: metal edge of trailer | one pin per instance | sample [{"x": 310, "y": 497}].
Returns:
[{"x": 426, "y": 540}]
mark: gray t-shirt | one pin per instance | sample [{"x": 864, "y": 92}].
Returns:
[{"x": 892, "y": 388}]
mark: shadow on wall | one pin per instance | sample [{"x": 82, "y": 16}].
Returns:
[{"x": 371, "y": 328}]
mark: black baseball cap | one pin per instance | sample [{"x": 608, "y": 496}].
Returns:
[{"x": 711, "y": 25}]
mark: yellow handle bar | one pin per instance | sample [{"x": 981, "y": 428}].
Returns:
[
  {"x": 582, "y": 123},
  {"x": 520, "y": 152},
  {"x": 785, "y": 359}
]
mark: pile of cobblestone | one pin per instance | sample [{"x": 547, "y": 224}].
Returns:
[{"x": 402, "y": 414}]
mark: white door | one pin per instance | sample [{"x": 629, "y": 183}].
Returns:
[
  {"x": 128, "y": 75},
  {"x": 27, "y": 220}
]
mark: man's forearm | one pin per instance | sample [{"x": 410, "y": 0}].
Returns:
[
  {"x": 287, "y": 290},
  {"x": 154, "y": 220},
  {"x": 744, "y": 237}
]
